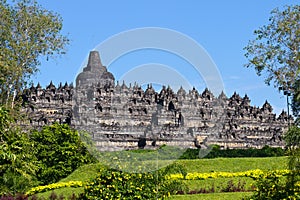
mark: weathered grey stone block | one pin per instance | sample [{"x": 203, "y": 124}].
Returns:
[{"x": 121, "y": 116}]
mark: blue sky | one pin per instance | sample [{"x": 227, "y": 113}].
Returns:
[{"x": 222, "y": 28}]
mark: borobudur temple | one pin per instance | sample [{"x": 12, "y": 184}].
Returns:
[{"x": 120, "y": 116}]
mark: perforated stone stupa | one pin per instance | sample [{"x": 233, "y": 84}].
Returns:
[{"x": 120, "y": 116}]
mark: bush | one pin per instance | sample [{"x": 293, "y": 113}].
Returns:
[
  {"x": 59, "y": 151},
  {"x": 216, "y": 152},
  {"x": 54, "y": 186},
  {"x": 114, "y": 184},
  {"x": 271, "y": 186},
  {"x": 17, "y": 163}
]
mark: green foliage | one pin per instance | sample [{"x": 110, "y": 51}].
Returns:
[
  {"x": 73, "y": 184},
  {"x": 292, "y": 139},
  {"x": 17, "y": 164},
  {"x": 190, "y": 154},
  {"x": 42, "y": 157},
  {"x": 216, "y": 152},
  {"x": 111, "y": 184},
  {"x": 176, "y": 168},
  {"x": 115, "y": 184},
  {"x": 84, "y": 173},
  {"x": 27, "y": 32},
  {"x": 59, "y": 151},
  {"x": 275, "y": 50},
  {"x": 162, "y": 153},
  {"x": 140, "y": 160},
  {"x": 266, "y": 151},
  {"x": 211, "y": 196},
  {"x": 234, "y": 164},
  {"x": 270, "y": 186},
  {"x": 89, "y": 172},
  {"x": 5, "y": 119}
]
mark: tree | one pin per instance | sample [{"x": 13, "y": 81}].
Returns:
[
  {"x": 27, "y": 33},
  {"x": 17, "y": 163},
  {"x": 42, "y": 157},
  {"x": 59, "y": 151},
  {"x": 275, "y": 50},
  {"x": 275, "y": 53}
]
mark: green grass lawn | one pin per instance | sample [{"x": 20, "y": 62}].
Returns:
[
  {"x": 219, "y": 184},
  {"x": 212, "y": 196},
  {"x": 234, "y": 164},
  {"x": 83, "y": 173},
  {"x": 88, "y": 172}
]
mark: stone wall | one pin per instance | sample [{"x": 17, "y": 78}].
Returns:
[
  {"x": 121, "y": 116},
  {"x": 48, "y": 105}
]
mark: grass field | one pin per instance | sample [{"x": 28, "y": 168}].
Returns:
[
  {"x": 212, "y": 196},
  {"x": 234, "y": 164},
  {"x": 88, "y": 172}
]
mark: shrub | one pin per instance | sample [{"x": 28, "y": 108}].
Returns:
[
  {"x": 216, "y": 152},
  {"x": 54, "y": 186},
  {"x": 231, "y": 187},
  {"x": 114, "y": 184},
  {"x": 59, "y": 151},
  {"x": 17, "y": 164},
  {"x": 269, "y": 186},
  {"x": 272, "y": 186}
]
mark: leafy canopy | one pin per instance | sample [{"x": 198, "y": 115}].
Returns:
[
  {"x": 41, "y": 157},
  {"x": 275, "y": 53},
  {"x": 17, "y": 163},
  {"x": 27, "y": 32},
  {"x": 59, "y": 151},
  {"x": 275, "y": 50}
]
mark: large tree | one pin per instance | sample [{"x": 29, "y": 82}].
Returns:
[
  {"x": 275, "y": 50},
  {"x": 275, "y": 53},
  {"x": 27, "y": 33}
]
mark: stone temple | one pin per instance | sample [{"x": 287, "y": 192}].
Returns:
[{"x": 120, "y": 116}]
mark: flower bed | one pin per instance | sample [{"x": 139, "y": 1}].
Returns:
[
  {"x": 254, "y": 174},
  {"x": 251, "y": 173}
]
